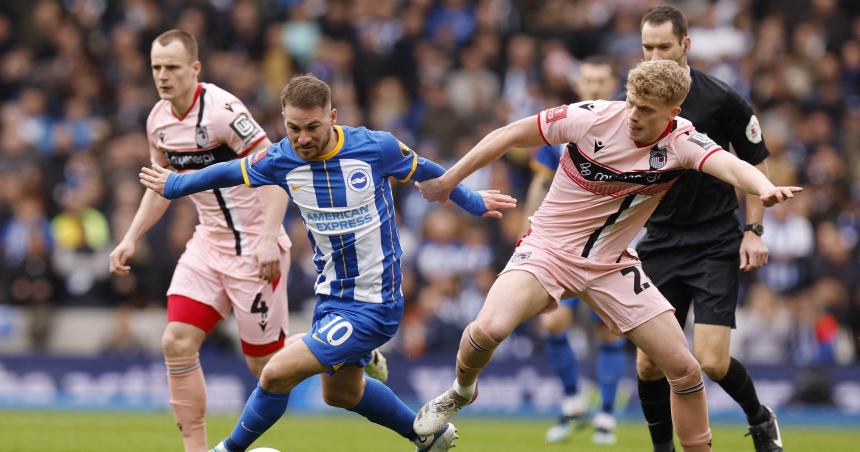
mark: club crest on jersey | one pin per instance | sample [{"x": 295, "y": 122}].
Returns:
[
  {"x": 358, "y": 180},
  {"x": 519, "y": 258},
  {"x": 555, "y": 114},
  {"x": 704, "y": 141},
  {"x": 659, "y": 157},
  {"x": 202, "y": 137},
  {"x": 404, "y": 149}
]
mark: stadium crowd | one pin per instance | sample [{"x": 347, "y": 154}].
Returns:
[{"x": 76, "y": 90}]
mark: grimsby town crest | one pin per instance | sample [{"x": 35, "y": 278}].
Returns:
[
  {"x": 202, "y": 137},
  {"x": 658, "y": 157}
]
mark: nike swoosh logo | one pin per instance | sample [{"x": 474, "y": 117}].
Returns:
[
  {"x": 296, "y": 186},
  {"x": 315, "y": 337},
  {"x": 246, "y": 428}
]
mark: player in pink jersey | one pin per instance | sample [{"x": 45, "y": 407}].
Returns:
[
  {"x": 620, "y": 159},
  {"x": 233, "y": 261}
]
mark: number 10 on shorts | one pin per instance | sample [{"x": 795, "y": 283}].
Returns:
[{"x": 339, "y": 330}]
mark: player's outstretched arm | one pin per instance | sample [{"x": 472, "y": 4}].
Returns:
[
  {"x": 741, "y": 174},
  {"x": 522, "y": 133},
  {"x": 485, "y": 203},
  {"x": 172, "y": 185}
]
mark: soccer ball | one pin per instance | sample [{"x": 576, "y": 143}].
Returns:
[{"x": 264, "y": 449}]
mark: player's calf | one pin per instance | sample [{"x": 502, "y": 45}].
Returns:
[
  {"x": 690, "y": 410},
  {"x": 476, "y": 350}
]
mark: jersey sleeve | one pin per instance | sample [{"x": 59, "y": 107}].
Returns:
[
  {"x": 693, "y": 148},
  {"x": 743, "y": 129},
  {"x": 235, "y": 125},
  {"x": 546, "y": 160},
  {"x": 260, "y": 167},
  {"x": 398, "y": 160},
  {"x": 566, "y": 123}
]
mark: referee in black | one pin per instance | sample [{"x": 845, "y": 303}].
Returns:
[{"x": 695, "y": 247}]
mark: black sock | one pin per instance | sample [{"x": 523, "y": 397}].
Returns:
[
  {"x": 654, "y": 396},
  {"x": 738, "y": 384}
]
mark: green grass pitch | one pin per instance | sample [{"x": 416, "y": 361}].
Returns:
[{"x": 28, "y": 431}]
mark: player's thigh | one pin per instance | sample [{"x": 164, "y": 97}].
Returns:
[
  {"x": 515, "y": 297},
  {"x": 289, "y": 367},
  {"x": 345, "y": 332},
  {"x": 663, "y": 341},
  {"x": 715, "y": 291},
  {"x": 624, "y": 297},
  {"x": 260, "y": 307},
  {"x": 197, "y": 278},
  {"x": 559, "y": 320}
]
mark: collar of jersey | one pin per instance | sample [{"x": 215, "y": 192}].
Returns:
[
  {"x": 339, "y": 131},
  {"x": 193, "y": 103}
]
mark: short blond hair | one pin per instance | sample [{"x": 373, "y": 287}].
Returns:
[{"x": 662, "y": 81}]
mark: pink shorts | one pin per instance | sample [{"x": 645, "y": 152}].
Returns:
[
  {"x": 230, "y": 283},
  {"x": 620, "y": 293}
]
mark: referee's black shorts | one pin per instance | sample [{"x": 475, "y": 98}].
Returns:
[{"x": 695, "y": 267}]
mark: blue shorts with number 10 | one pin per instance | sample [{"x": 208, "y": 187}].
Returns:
[
  {"x": 573, "y": 304},
  {"x": 345, "y": 331}
]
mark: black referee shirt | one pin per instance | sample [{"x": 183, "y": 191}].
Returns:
[{"x": 698, "y": 198}]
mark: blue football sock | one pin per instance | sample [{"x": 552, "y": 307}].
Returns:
[
  {"x": 563, "y": 361},
  {"x": 381, "y": 406},
  {"x": 262, "y": 410},
  {"x": 610, "y": 367}
]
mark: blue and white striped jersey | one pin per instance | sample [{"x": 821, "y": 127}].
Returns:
[{"x": 346, "y": 204}]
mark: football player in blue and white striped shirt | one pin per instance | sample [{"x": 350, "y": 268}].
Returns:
[{"x": 338, "y": 177}]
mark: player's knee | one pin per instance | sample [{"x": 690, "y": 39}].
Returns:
[
  {"x": 178, "y": 342},
  {"x": 489, "y": 334},
  {"x": 646, "y": 369},
  {"x": 485, "y": 337},
  {"x": 714, "y": 365},
  {"x": 274, "y": 379},
  {"x": 682, "y": 367}
]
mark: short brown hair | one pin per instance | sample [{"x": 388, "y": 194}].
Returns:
[
  {"x": 659, "y": 15},
  {"x": 183, "y": 37},
  {"x": 601, "y": 60},
  {"x": 662, "y": 81},
  {"x": 306, "y": 91}
]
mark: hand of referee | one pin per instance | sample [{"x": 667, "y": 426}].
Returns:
[
  {"x": 154, "y": 178},
  {"x": 753, "y": 252},
  {"x": 778, "y": 195}
]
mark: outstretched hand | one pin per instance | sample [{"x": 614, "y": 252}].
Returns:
[
  {"x": 154, "y": 178},
  {"x": 495, "y": 200},
  {"x": 779, "y": 195}
]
